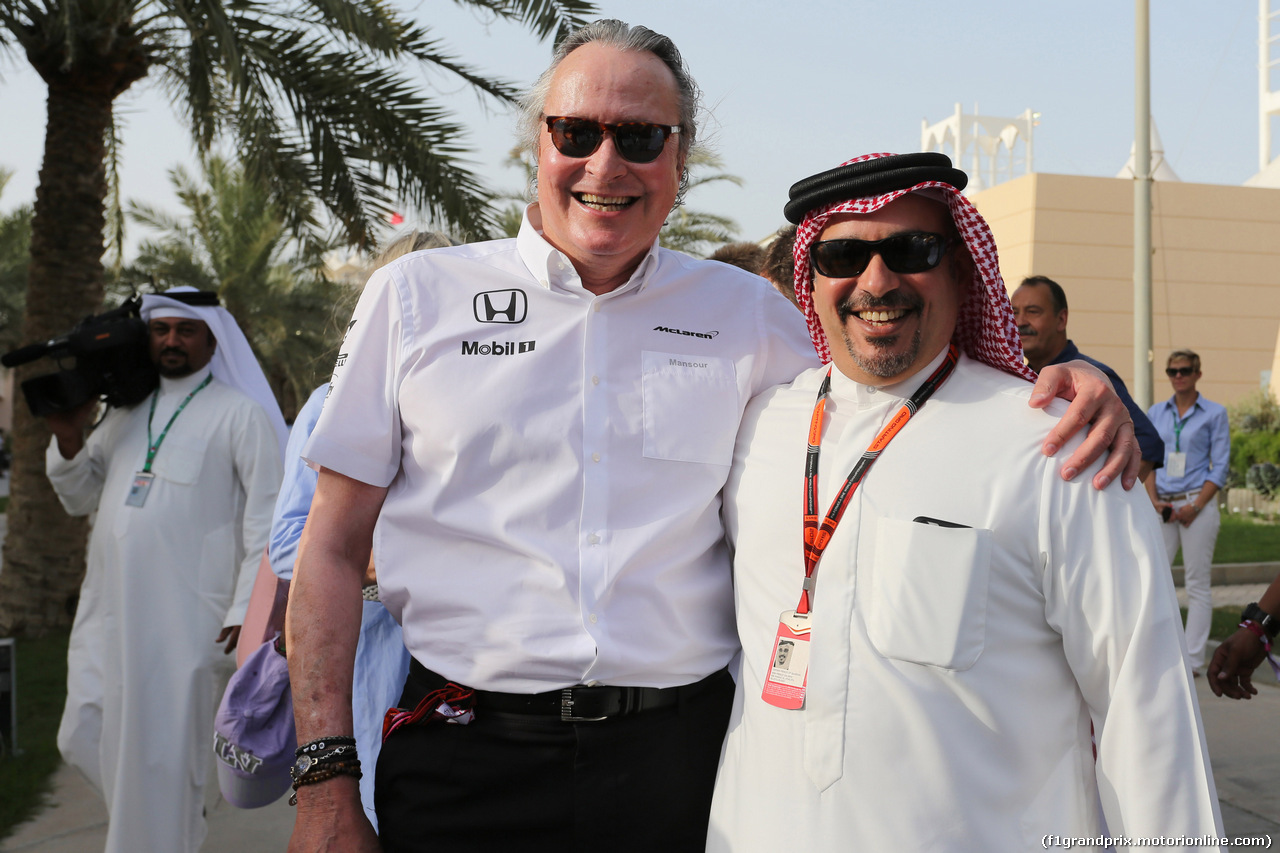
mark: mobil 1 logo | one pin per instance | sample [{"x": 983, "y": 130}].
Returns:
[{"x": 497, "y": 347}]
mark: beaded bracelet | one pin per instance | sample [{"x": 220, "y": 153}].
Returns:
[{"x": 322, "y": 774}]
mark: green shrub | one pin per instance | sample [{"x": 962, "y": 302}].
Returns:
[
  {"x": 1250, "y": 448},
  {"x": 1258, "y": 412}
]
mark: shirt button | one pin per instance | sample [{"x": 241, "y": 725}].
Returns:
[
  {"x": 593, "y": 619},
  {"x": 544, "y": 283},
  {"x": 595, "y": 307},
  {"x": 593, "y": 539},
  {"x": 595, "y": 457},
  {"x": 595, "y": 380}
]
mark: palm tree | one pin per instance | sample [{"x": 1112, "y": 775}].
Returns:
[
  {"x": 234, "y": 241},
  {"x": 307, "y": 92},
  {"x": 697, "y": 232}
]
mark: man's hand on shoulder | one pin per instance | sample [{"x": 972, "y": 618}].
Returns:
[
  {"x": 330, "y": 819},
  {"x": 1094, "y": 403}
]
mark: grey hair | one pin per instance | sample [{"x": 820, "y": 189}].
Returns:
[
  {"x": 623, "y": 36},
  {"x": 413, "y": 241}
]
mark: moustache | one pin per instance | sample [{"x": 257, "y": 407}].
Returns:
[
  {"x": 1027, "y": 331},
  {"x": 172, "y": 351},
  {"x": 891, "y": 301}
]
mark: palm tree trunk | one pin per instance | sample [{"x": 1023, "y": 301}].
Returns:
[{"x": 44, "y": 551}]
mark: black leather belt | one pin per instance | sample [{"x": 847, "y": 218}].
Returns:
[{"x": 580, "y": 704}]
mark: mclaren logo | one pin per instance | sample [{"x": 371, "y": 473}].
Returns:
[
  {"x": 497, "y": 347},
  {"x": 671, "y": 331},
  {"x": 501, "y": 306}
]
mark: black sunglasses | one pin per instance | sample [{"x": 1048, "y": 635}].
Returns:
[
  {"x": 636, "y": 141},
  {"x": 1178, "y": 371},
  {"x": 902, "y": 253}
]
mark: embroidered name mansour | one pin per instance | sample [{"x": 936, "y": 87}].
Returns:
[
  {"x": 675, "y": 362},
  {"x": 671, "y": 331},
  {"x": 497, "y": 347}
]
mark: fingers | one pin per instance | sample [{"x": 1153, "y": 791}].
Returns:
[
  {"x": 1073, "y": 422},
  {"x": 1129, "y": 478},
  {"x": 1214, "y": 673},
  {"x": 232, "y": 635},
  {"x": 1123, "y": 460},
  {"x": 1054, "y": 381}
]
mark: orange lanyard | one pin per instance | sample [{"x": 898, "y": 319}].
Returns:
[{"x": 817, "y": 536}]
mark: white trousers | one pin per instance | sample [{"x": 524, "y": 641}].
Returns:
[{"x": 1197, "y": 541}]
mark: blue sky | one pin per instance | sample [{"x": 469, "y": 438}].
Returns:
[{"x": 796, "y": 87}]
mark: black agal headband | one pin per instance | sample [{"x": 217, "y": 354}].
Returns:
[
  {"x": 194, "y": 298},
  {"x": 870, "y": 178}
]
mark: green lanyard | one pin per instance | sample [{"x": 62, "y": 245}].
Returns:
[
  {"x": 1178, "y": 425},
  {"x": 154, "y": 446}
]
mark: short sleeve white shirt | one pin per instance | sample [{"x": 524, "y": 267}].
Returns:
[{"x": 554, "y": 458}]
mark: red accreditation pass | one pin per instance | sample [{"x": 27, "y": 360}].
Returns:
[{"x": 788, "y": 675}]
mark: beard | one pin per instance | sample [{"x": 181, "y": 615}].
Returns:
[
  {"x": 173, "y": 371},
  {"x": 881, "y": 361}
]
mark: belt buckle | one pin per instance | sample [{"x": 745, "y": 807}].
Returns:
[{"x": 566, "y": 709}]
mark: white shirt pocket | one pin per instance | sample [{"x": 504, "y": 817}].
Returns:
[
  {"x": 928, "y": 593},
  {"x": 691, "y": 408}
]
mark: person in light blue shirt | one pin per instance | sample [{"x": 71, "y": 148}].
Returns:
[
  {"x": 1197, "y": 444},
  {"x": 382, "y": 662}
]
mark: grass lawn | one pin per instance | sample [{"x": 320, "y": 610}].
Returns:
[
  {"x": 1243, "y": 540},
  {"x": 1225, "y": 622},
  {"x": 42, "y": 690}
]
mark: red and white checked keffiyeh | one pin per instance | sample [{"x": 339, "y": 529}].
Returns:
[{"x": 984, "y": 330}]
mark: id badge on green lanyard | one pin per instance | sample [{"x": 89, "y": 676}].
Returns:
[{"x": 144, "y": 479}]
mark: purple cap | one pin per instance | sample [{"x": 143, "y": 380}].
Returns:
[{"x": 253, "y": 734}]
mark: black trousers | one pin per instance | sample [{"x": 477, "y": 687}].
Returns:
[{"x": 510, "y": 782}]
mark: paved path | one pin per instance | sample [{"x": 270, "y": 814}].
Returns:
[{"x": 75, "y": 821}]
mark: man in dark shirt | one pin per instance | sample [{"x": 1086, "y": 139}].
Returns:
[{"x": 1040, "y": 310}]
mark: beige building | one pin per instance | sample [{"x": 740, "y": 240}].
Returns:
[{"x": 1215, "y": 269}]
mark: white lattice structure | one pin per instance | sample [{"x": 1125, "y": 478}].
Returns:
[
  {"x": 1160, "y": 168},
  {"x": 987, "y": 147},
  {"x": 1268, "y": 92}
]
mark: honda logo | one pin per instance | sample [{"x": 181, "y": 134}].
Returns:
[{"x": 501, "y": 306}]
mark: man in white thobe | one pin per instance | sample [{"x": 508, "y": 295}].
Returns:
[
  {"x": 973, "y": 615},
  {"x": 171, "y": 564}
]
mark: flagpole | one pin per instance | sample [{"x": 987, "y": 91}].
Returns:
[{"x": 1143, "y": 355}]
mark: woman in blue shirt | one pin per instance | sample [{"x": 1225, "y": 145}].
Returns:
[{"x": 1197, "y": 447}]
